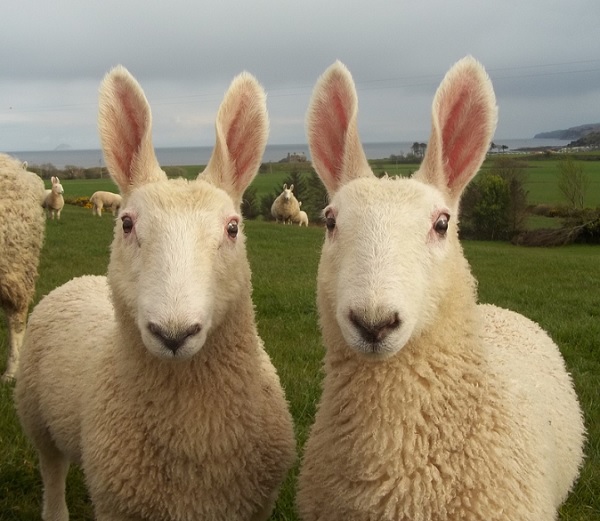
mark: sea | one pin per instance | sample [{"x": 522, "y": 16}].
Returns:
[{"x": 177, "y": 156}]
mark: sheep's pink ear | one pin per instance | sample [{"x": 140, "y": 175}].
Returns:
[
  {"x": 332, "y": 129},
  {"x": 464, "y": 118},
  {"x": 125, "y": 125},
  {"x": 242, "y": 128}
]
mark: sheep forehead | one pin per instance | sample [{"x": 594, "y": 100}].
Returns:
[
  {"x": 181, "y": 196},
  {"x": 394, "y": 200}
]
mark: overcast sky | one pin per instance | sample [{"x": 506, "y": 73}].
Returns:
[{"x": 543, "y": 57}]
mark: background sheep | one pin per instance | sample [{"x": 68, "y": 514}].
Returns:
[
  {"x": 102, "y": 199},
  {"x": 433, "y": 408},
  {"x": 154, "y": 379},
  {"x": 285, "y": 207},
  {"x": 302, "y": 217},
  {"x": 21, "y": 240},
  {"x": 54, "y": 201}
]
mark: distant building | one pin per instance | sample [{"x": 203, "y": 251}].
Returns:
[{"x": 296, "y": 157}]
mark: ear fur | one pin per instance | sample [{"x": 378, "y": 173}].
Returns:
[
  {"x": 125, "y": 125},
  {"x": 335, "y": 148},
  {"x": 242, "y": 128},
  {"x": 464, "y": 117}
]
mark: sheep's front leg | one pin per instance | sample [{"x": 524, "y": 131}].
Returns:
[{"x": 53, "y": 468}]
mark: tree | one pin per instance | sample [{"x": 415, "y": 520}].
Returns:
[
  {"x": 483, "y": 208},
  {"x": 572, "y": 182},
  {"x": 513, "y": 172}
]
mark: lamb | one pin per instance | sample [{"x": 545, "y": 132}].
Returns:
[
  {"x": 21, "y": 240},
  {"x": 285, "y": 207},
  {"x": 54, "y": 201},
  {"x": 433, "y": 407},
  {"x": 155, "y": 379},
  {"x": 102, "y": 199},
  {"x": 302, "y": 217}
]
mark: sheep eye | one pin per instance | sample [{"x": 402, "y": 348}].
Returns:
[
  {"x": 441, "y": 225},
  {"x": 330, "y": 223},
  {"x": 127, "y": 224},
  {"x": 232, "y": 229}
]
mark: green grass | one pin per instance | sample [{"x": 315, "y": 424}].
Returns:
[
  {"x": 559, "y": 288},
  {"x": 541, "y": 182}
]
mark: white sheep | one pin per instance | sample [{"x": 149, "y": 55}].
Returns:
[
  {"x": 302, "y": 217},
  {"x": 21, "y": 239},
  {"x": 54, "y": 201},
  {"x": 154, "y": 378},
  {"x": 433, "y": 407},
  {"x": 103, "y": 199},
  {"x": 285, "y": 207}
]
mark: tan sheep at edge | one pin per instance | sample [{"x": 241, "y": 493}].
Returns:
[
  {"x": 54, "y": 201},
  {"x": 154, "y": 379},
  {"x": 21, "y": 240},
  {"x": 102, "y": 200},
  {"x": 433, "y": 407},
  {"x": 285, "y": 207}
]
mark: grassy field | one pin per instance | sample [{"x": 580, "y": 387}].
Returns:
[
  {"x": 559, "y": 288},
  {"x": 541, "y": 179}
]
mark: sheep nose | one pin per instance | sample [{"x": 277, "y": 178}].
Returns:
[
  {"x": 374, "y": 332},
  {"x": 173, "y": 338}
]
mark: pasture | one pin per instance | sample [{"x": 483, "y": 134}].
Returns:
[{"x": 559, "y": 288}]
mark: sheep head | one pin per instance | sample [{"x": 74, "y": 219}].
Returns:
[
  {"x": 287, "y": 193},
  {"x": 178, "y": 261},
  {"x": 391, "y": 243}
]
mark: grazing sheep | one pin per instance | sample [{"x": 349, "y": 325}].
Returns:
[
  {"x": 285, "y": 207},
  {"x": 154, "y": 378},
  {"x": 433, "y": 407},
  {"x": 54, "y": 201},
  {"x": 102, "y": 199},
  {"x": 21, "y": 240}
]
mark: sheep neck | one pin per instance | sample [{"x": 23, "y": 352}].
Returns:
[
  {"x": 424, "y": 378},
  {"x": 231, "y": 340}
]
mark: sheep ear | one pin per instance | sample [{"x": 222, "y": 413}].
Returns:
[
  {"x": 125, "y": 125},
  {"x": 464, "y": 118},
  {"x": 335, "y": 148},
  {"x": 242, "y": 128}
]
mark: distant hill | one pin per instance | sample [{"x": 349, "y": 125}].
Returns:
[
  {"x": 591, "y": 139},
  {"x": 570, "y": 133}
]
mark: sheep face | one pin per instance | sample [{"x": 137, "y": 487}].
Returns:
[
  {"x": 178, "y": 261},
  {"x": 287, "y": 193},
  {"x": 392, "y": 244},
  {"x": 178, "y": 258},
  {"x": 57, "y": 188},
  {"x": 383, "y": 263}
]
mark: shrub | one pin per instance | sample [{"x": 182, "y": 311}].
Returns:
[{"x": 250, "y": 204}]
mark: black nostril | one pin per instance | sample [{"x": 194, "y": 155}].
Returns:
[
  {"x": 375, "y": 331},
  {"x": 173, "y": 339}
]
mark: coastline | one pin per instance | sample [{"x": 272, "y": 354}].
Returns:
[{"x": 182, "y": 156}]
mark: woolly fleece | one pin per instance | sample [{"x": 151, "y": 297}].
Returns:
[
  {"x": 434, "y": 408},
  {"x": 285, "y": 207},
  {"x": 21, "y": 241},
  {"x": 196, "y": 430},
  {"x": 103, "y": 199}
]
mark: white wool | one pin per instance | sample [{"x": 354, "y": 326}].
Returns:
[
  {"x": 286, "y": 208},
  {"x": 154, "y": 379},
  {"x": 433, "y": 408},
  {"x": 53, "y": 201},
  {"x": 21, "y": 240},
  {"x": 102, "y": 200}
]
